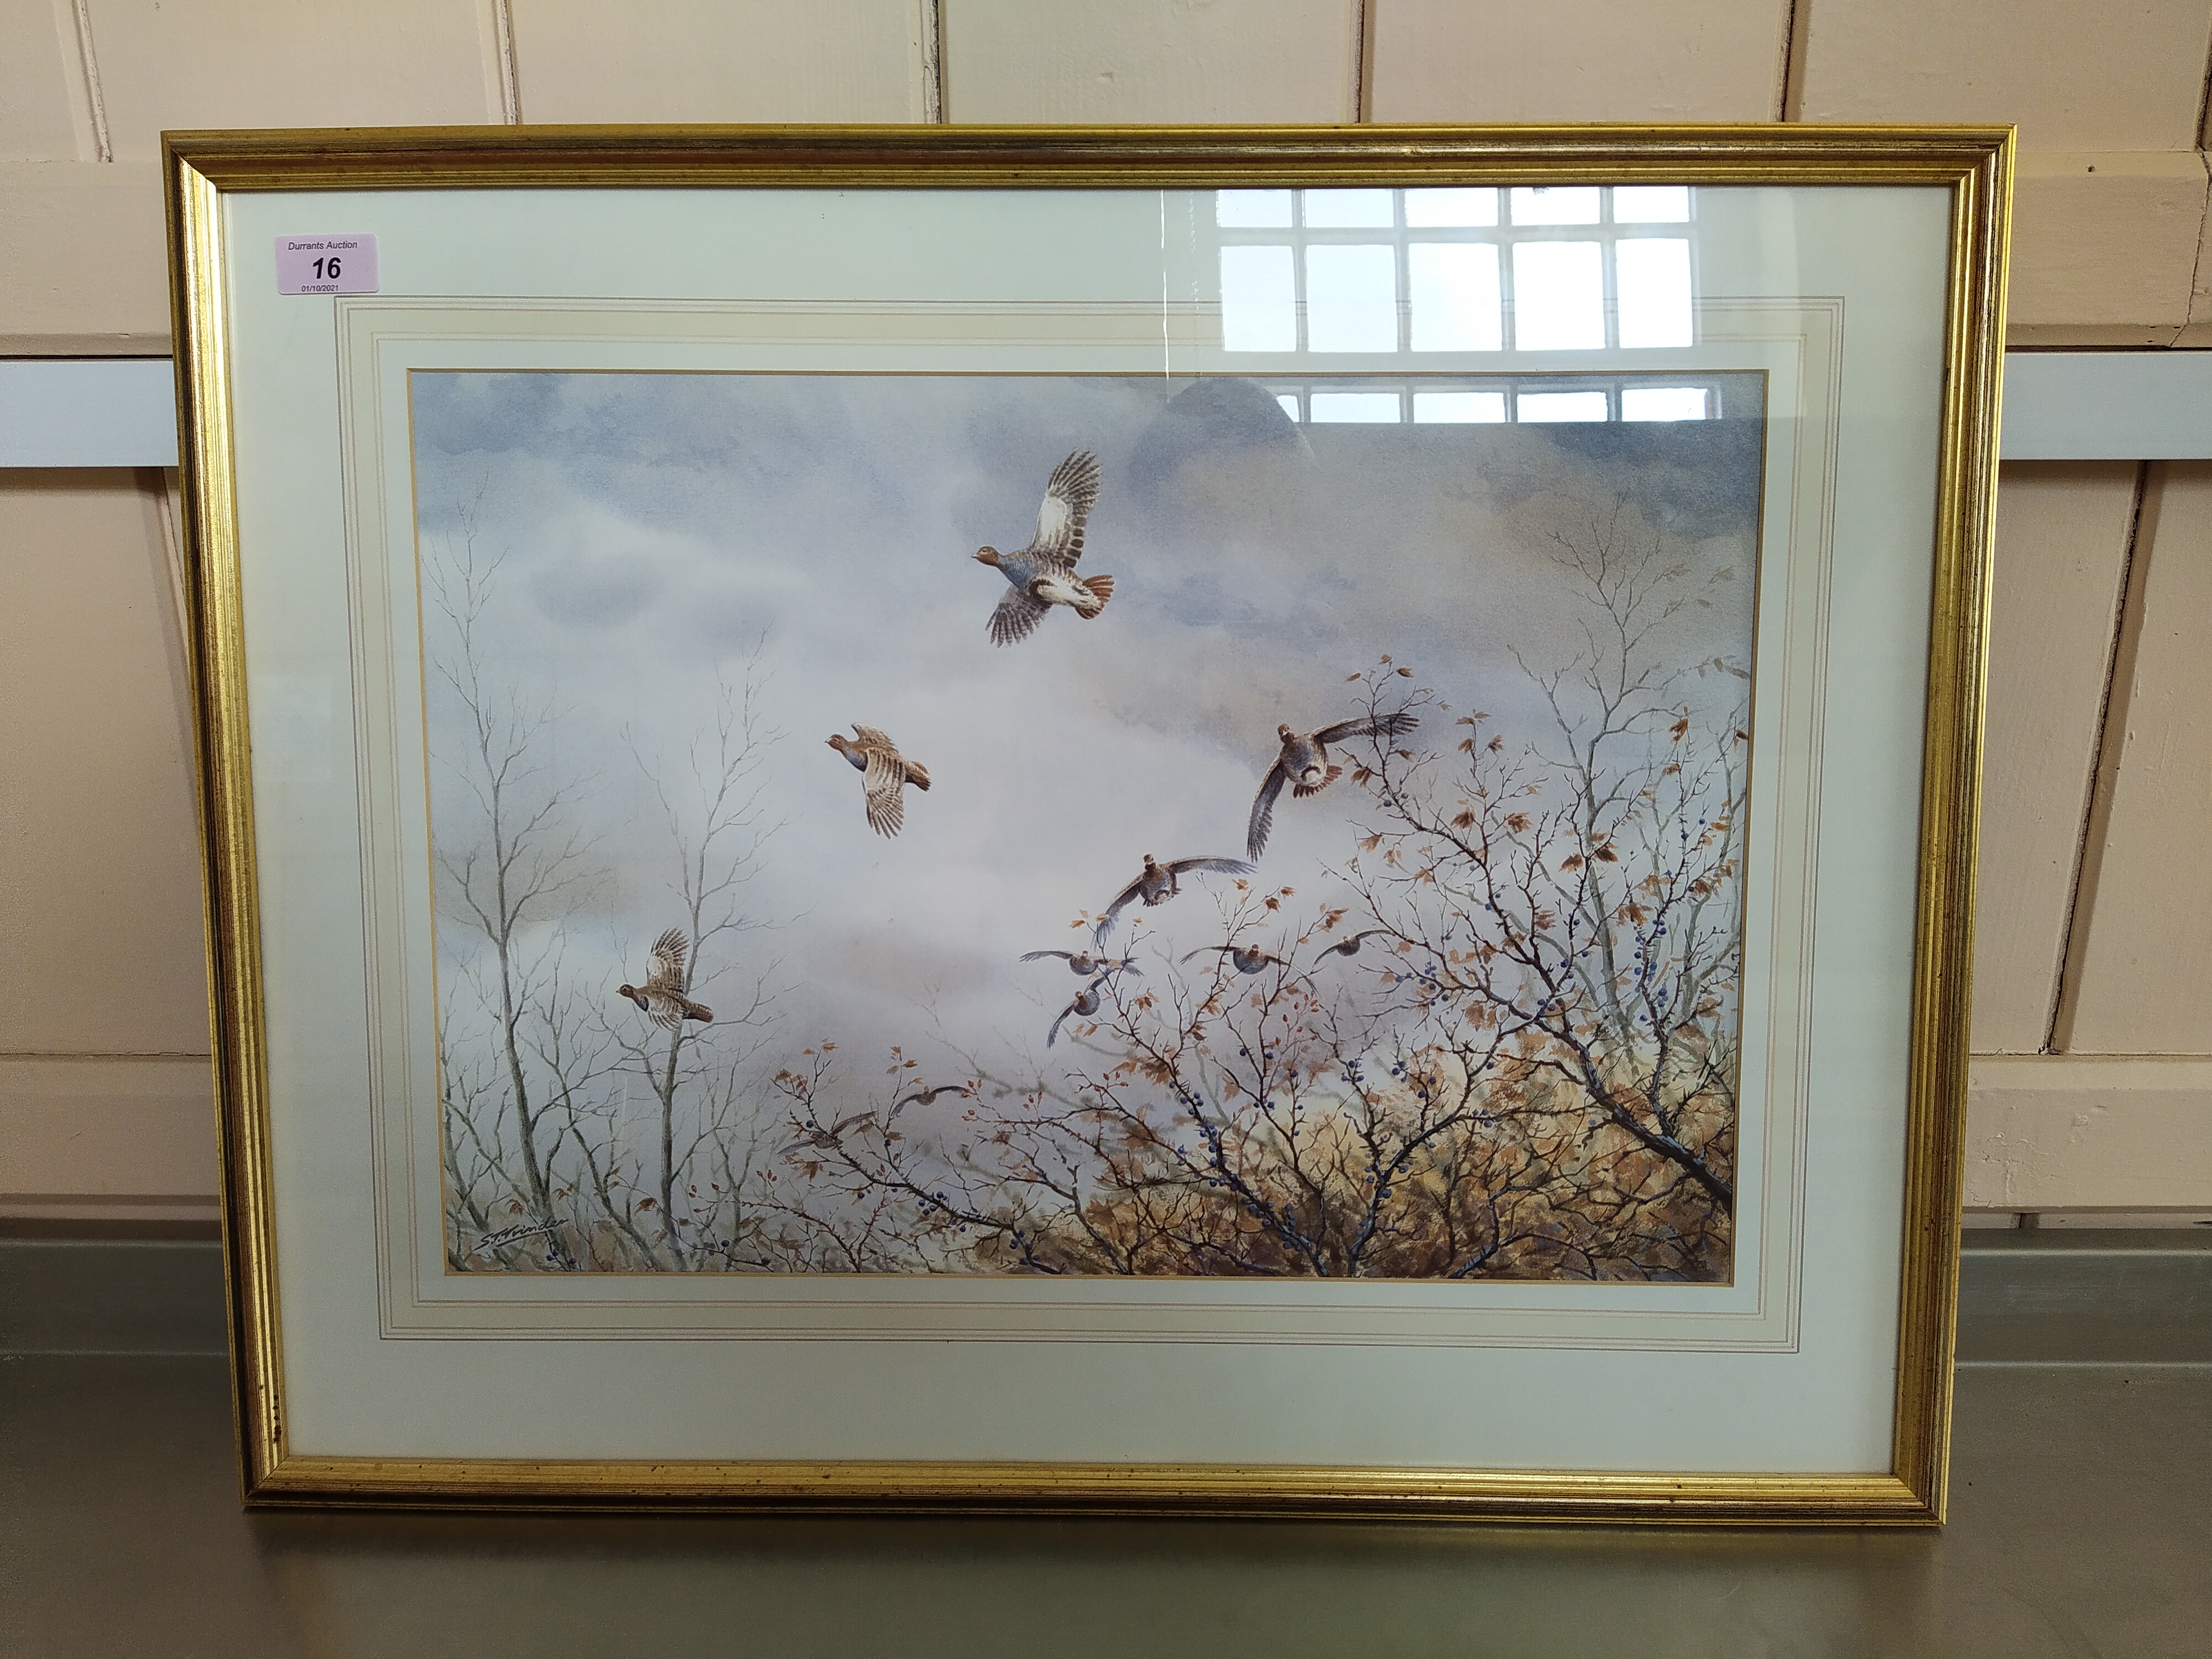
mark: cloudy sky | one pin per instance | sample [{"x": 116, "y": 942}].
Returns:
[{"x": 660, "y": 534}]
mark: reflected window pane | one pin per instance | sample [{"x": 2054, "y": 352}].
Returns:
[
  {"x": 1360, "y": 406},
  {"x": 1651, "y": 205},
  {"x": 1453, "y": 289},
  {"x": 1558, "y": 297},
  {"x": 1441, "y": 208},
  {"x": 1252, "y": 210},
  {"x": 1459, "y": 406},
  {"x": 1664, "y": 403},
  {"x": 1651, "y": 281},
  {"x": 1532, "y": 406},
  {"x": 1556, "y": 204},
  {"x": 1351, "y": 299},
  {"x": 1349, "y": 209},
  {"x": 1259, "y": 299},
  {"x": 1289, "y": 400}
]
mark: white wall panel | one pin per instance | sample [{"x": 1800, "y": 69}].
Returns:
[
  {"x": 717, "y": 60},
  {"x": 84, "y": 263},
  {"x": 2104, "y": 248},
  {"x": 1148, "y": 60},
  {"x": 1596, "y": 60},
  {"x": 2146, "y": 973},
  {"x": 2071, "y": 74},
  {"x": 284, "y": 63},
  {"x": 2062, "y": 534},
  {"x": 100, "y": 930},
  {"x": 39, "y": 69},
  {"x": 2057, "y": 1132}
]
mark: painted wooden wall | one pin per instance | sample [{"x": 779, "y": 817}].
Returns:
[{"x": 2093, "y": 1079}]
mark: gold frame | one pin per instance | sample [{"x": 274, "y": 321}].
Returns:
[{"x": 1974, "y": 162}]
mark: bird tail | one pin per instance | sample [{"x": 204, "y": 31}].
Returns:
[
  {"x": 1101, "y": 589},
  {"x": 698, "y": 1011},
  {"x": 917, "y": 776}
]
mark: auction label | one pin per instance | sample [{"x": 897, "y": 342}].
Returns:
[{"x": 326, "y": 264}]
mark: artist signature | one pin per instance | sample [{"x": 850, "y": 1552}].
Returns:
[{"x": 507, "y": 1235}]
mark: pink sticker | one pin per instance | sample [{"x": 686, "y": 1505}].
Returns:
[{"x": 326, "y": 264}]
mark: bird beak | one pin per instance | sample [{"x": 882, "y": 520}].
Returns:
[{"x": 986, "y": 556}]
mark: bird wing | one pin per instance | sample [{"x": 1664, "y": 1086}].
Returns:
[
  {"x": 668, "y": 962},
  {"x": 1263, "y": 812},
  {"x": 885, "y": 783},
  {"x": 1032, "y": 956},
  {"x": 1015, "y": 616},
  {"x": 1053, "y": 1036},
  {"x": 924, "y": 1096},
  {"x": 1107, "y": 919},
  {"x": 1396, "y": 725},
  {"x": 1068, "y": 494},
  {"x": 1216, "y": 949},
  {"x": 1088, "y": 994},
  {"x": 872, "y": 739},
  {"x": 1219, "y": 867}
]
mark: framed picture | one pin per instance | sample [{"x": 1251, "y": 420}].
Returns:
[{"x": 1253, "y": 821}]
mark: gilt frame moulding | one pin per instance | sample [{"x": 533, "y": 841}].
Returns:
[{"x": 1001, "y": 1379}]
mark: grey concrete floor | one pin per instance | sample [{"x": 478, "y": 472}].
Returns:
[{"x": 2081, "y": 1524}]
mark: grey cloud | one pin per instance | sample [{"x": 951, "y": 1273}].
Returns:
[{"x": 658, "y": 528}]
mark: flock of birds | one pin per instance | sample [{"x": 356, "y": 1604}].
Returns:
[{"x": 1039, "y": 577}]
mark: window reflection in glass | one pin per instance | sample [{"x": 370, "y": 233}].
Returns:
[
  {"x": 1380, "y": 271},
  {"x": 1665, "y": 403},
  {"x": 1558, "y": 296},
  {"x": 1349, "y": 209},
  {"x": 1252, "y": 210},
  {"x": 1355, "y": 406},
  {"x": 1651, "y": 277},
  {"x": 1452, "y": 287},
  {"x": 1450, "y": 208},
  {"x": 1556, "y": 204},
  {"x": 1651, "y": 205},
  {"x": 1259, "y": 299},
  {"x": 1461, "y": 408},
  {"x": 1535, "y": 406},
  {"x": 1289, "y": 401},
  {"x": 1352, "y": 298}
]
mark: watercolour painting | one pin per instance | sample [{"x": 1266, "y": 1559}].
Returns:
[
  {"x": 1088, "y": 825},
  {"x": 1035, "y": 821}
]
